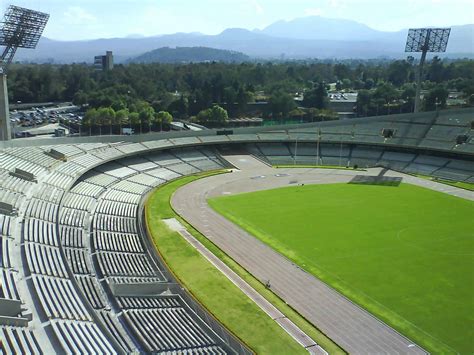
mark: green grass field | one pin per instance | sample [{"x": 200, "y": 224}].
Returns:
[
  {"x": 214, "y": 291},
  {"x": 404, "y": 253}
]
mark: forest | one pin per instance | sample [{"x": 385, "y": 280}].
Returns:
[{"x": 145, "y": 92}]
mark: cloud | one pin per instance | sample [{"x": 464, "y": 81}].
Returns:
[
  {"x": 76, "y": 15},
  {"x": 256, "y": 5},
  {"x": 337, "y": 3},
  {"x": 315, "y": 11}
]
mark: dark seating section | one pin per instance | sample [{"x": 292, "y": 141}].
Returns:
[{"x": 350, "y": 155}]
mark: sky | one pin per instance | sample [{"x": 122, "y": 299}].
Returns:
[{"x": 90, "y": 19}]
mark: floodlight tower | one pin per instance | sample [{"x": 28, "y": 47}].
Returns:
[
  {"x": 21, "y": 28},
  {"x": 425, "y": 40}
]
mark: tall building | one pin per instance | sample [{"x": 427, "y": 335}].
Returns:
[{"x": 104, "y": 62}]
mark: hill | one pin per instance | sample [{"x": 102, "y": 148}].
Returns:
[{"x": 189, "y": 54}]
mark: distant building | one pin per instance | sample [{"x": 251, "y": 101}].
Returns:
[{"x": 104, "y": 62}]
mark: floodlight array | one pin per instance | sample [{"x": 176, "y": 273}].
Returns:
[
  {"x": 22, "y": 28},
  {"x": 427, "y": 39}
]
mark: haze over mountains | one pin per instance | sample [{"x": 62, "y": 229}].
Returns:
[{"x": 301, "y": 38}]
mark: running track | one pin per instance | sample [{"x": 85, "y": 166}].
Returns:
[{"x": 350, "y": 326}]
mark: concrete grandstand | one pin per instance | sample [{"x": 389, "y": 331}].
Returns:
[{"x": 78, "y": 272}]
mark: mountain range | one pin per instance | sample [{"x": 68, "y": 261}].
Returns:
[{"x": 301, "y": 38}]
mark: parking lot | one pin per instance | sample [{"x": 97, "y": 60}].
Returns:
[{"x": 35, "y": 120}]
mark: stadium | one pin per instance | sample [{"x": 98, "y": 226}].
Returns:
[{"x": 82, "y": 271}]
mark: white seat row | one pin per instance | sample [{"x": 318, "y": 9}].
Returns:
[
  {"x": 126, "y": 264},
  {"x": 114, "y": 241},
  {"x": 8, "y": 286},
  {"x": 163, "y": 173},
  {"x": 87, "y": 160},
  {"x": 73, "y": 217},
  {"x": 128, "y": 186},
  {"x": 131, "y": 148},
  {"x": 71, "y": 236},
  {"x": 138, "y": 163},
  {"x": 121, "y": 196},
  {"x": 45, "y": 260},
  {"x": 163, "y": 159},
  {"x": 78, "y": 260},
  {"x": 60, "y": 180},
  {"x": 81, "y": 338},
  {"x": 167, "y": 329},
  {"x": 11, "y": 162},
  {"x": 12, "y": 198},
  {"x": 147, "y": 180},
  {"x": 35, "y": 155},
  {"x": 18, "y": 340},
  {"x": 87, "y": 189},
  {"x": 5, "y": 225},
  {"x": 42, "y": 210},
  {"x": 68, "y": 150},
  {"x": 148, "y": 302},
  {"x": 116, "y": 170},
  {"x": 40, "y": 231},
  {"x": 103, "y": 180},
  {"x": 70, "y": 168},
  {"x": 134, "y": 279},
  {"x": 117, "y": 208},
  {"x": 92, "y": 290},
  {"x": 183, "y": 169},
  {"x": 13, "y": 183},
  {"x": 78, "y": 202},
  {"x": 49, "y": 193},
  {"x": 59, "y": 298},
  {"x": 117, "y": 330},
  {"x": 90, "y": 147},
  {"x": 114, "y": 223},
  {"x": 4, "y": 252},
  {"x": 106, "y": 153},
  {"x": 189, "y": 155}
]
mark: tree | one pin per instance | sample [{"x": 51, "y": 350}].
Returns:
[
  {"x": 435, "y": 98},
  {"x": 281, "y": 103},
  {"x": 397, "y": 72},
  {"x": 145, "y": 116},
  {"x": 218, "y": 114},
  {"x": 121, "y": 117},
  {"x": 106, "y": 117},
  {"x": 363, "y": 102},
  {"x": 215, "y": 114},
  {"x": 435, "y": 70},
  {"x": 317, "y": 97},
  {"x": 161, "y": 118},
  {"x": 179, "y": 108},
  {"x": 134, "y": 118},
  {"x": 90, "y": 119},
  {"x": 408, "y": 96}
]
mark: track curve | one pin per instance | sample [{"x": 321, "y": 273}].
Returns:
[{"x": 350, "y": 326}]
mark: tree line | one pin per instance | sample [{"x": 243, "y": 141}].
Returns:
[{"x": 144, "y": 92}]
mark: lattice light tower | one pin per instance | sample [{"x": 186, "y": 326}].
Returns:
[
  {"x": 425, "y": 40},
  {"x": 21, "y": 28}
]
